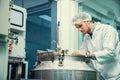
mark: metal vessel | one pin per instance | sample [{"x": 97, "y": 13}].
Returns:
[{"x": 62, "y": 67}]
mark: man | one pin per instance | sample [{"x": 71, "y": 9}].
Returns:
[{"x": 99, "y": 44}]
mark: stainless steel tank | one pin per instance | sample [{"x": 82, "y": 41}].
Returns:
[{"x": 62, "y": 67}]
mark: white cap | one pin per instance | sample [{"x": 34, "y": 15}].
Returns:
[{"x": 81, "y": 17}]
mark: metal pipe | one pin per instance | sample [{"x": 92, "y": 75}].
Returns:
[
  {"x": 10, "y": 69},
  {"x": 26, "y": 69}
]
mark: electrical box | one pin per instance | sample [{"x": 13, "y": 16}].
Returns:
[
  {"x": 17, "y": 33},
  {"x": 4, "y": 19}
]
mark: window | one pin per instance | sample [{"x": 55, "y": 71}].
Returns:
[{"x": 17, "y": 18}]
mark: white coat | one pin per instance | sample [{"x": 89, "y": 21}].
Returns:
[{"x": 103, "y": 46}]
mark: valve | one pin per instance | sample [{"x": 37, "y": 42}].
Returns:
[
  {"x": 61, "y": 59},
  {"x": 10, "y": 48}
]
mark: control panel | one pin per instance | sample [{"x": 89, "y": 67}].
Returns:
[{"x": 16, "y": 35}]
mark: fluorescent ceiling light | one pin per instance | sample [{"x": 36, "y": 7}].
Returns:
[{"x": 46, "y": 17}]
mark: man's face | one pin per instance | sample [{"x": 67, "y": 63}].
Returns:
[{"x": 83, "y": 27}]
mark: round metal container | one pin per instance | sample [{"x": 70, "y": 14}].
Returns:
[{"x": 68, "y": 67}]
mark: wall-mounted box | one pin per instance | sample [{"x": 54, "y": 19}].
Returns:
[{"x": 17, "y": 33}]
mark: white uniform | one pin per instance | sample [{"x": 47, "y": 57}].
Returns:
[{"x": 103, "y": 45}]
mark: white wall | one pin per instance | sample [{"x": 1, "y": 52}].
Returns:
[
  {"x": 4, "y": 26},
  {"x": 3, "y": 61},
  {"x": 68, "y": 34}
]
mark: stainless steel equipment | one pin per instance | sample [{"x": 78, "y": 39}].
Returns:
[{"x": 54, "y": 66}]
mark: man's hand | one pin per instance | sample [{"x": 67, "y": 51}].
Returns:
[{"x": 79, "y": 52}]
